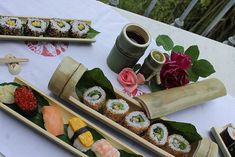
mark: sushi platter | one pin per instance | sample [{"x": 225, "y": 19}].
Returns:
[
  {"x": 225, "y": 139},
  {"x": 126, "y": 122},
  {"x": 46, "y": 29},
  {"x": 58, "y": 123}
]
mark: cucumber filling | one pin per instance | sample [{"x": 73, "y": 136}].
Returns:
[
  {"x": 81, "y": 27},
  {"x": 137, "y": 119},
  {"x": 11, "y": 22},
  {"x": 60, "y": 24},
  {"x": 179, "y": 144},
  {"x": 158, "y": 132},
  {"x": 36, "y": 24},
  {"x": 118, "y": 106},
  {"x": 94, "y": 95}
]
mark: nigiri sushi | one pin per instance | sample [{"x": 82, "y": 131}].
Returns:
[
  {"x": 103, "y": 148},
  {"x": 53, "y": 120},
  {"x": 7, "y": 94},
  {"x": 79, "y": 135}
]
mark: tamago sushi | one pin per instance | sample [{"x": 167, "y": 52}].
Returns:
[{"x": 79, "y": 135}]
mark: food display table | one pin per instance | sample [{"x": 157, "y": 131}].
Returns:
[{"x": 16, "y": 139}]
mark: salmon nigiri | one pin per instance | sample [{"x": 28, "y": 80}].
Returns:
[{"x": 53, "y": 120}]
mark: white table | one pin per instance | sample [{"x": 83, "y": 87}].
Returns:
[{"x": 19, "y": 140}]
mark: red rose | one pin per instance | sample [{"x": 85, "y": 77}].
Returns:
[
  {"x": 129, "y": 80},
  {"x": 173, "y": 75},
  {"x": 181, "y": 59}
]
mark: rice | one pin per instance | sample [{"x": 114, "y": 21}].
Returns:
[
  {"x": 94, "y": 97},
  {"x": 79, "y": 29},
  {"x": 137, "y": 122},
  {"x": 35, "y": 27},
  {"x": 116, "y": 109}
]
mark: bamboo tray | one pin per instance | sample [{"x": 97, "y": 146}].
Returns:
[
  {"x": 63, "y": 82},
  {"x": 46, "y": 38},
  {"x": 67, "y": 114},
  {"x": 216, "y": 133}
]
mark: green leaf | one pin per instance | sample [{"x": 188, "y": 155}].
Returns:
[
  {"x": 165, "y": 41},
  {"x": 187, "y": 130},
  {"x": 92, "y": 33},
  {"x": 136, "y": 67},
  {"x": 126, "y": 154},
  {"x": 94, "y": 77},
  {"x": 193, "y": 52},
  {"x": 90, "y": 153},
  {"x": 41, "y": 101},
  {"x": 154, "y": 87},
  {"x": 192, "y": 76},
  {"x": 65, "y": 137},
  {"x": 203, "y": 68},
  {"x": 9, "y": 83},
  {"x": 37, "y": 119},
  {"x": 178, "y": 48}
]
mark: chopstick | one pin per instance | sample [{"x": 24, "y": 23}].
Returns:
[{"x": 12, "y": 60}]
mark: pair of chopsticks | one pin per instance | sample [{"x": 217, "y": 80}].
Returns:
[{"x": 12, "y": 60}]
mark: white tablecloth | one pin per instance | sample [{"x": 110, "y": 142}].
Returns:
[{"x": 18, "y": 140}]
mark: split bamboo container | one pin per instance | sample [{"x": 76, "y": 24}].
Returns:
[
  {"x": 67, "y": 114},
  {"x": 46, "y": 38},
  {"x": 68, "y": 73},
  {"x": 216, "y": 133}
]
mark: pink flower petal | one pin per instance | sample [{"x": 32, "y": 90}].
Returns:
[{"x": 140, "y": 78}]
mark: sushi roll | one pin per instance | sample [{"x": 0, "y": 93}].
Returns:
[
  {"x": 177, "y": 145},
  {"x": 94, "y": 97},
  {"x": 157, "y": 134},
  {"x": 137, "y": 122},
  {"x": 231, "y": 149},
  {"x": 79, "y": 29},
  {"x": 35, "y": 27},
  {"x": 116, "y": 109},
  {"x": 58, "y": 28},
  {"x": 10, "y": 26},
  {"x": 228, "y": 136},
  {"x": 26, "y": 101},
  {"x": 7, "y": 94},
  {"x": 79, "y": 135},
  {"x": 103, "y": 148},
  {"x": 53, "y": 120}
]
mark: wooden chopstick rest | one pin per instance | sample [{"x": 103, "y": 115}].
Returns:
[{"x": 14, "y": 68}]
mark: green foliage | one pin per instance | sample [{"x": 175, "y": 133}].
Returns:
[
  {"x": 178, "y": 48},
  {"x": 192, "y": 76},
  {"x": 92, "y": 33},
  {"x": 193, "y": 52},
  {"x": 165, "y": 41},
  {"x": 203, "y": 68}
]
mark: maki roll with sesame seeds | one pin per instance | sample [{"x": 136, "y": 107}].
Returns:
[
  {"x": 157, "y": 134},
  {"x": 177, "y": 145},
  {"x": 94, "y": 97},
  {"x": 11, "y": 26},
  {"x": 79, "y": 134},
  {"x": 116, "y": 109},
  {"x": 228, "y": 136},
  {"x": 137, "y": 122},
  {"x": 79, "y": 29},
  {"x": 26, "y": 101},
  {"x": 35, "y": 27},
  {"x": 58, "y": 28}
]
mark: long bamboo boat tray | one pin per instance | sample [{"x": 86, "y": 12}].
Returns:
[
  {"x": 62, "y": 84},
  {"x": 46, "y": 38},
  {"x": 216, "y": 133},
  {"x": 67, "y": 114}
]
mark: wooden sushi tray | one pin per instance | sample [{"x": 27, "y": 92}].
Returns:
[
  {"x": 46, "y": 38},
  {"x": 216, "y": 133},
  {"x": 67, "y": 114},
  {"x": 62, "y": 84}
]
